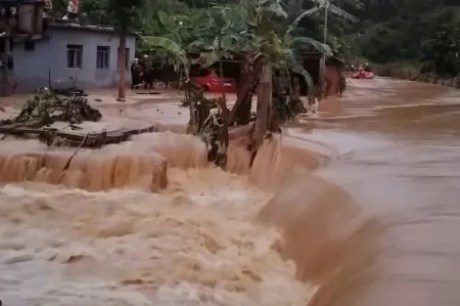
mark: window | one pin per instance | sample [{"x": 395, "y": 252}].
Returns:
[
  {"x": 29, "y": 45},
  {"x": 74, "y": 56},
  {"x": 103, "y": 56}
]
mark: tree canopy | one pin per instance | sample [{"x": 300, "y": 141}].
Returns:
[{"x": 424, "y": 31}]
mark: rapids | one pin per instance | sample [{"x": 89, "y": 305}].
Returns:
[{"x": 194, "y": 242}]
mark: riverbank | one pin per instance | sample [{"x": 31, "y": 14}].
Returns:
[{"x": 412, "y": 72}]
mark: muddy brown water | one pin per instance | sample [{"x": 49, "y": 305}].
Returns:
[
  {"x": 379, "y": 224},
  {"x": 375, "y": 223}
]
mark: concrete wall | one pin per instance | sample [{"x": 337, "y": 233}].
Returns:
[{"x": 31, "y": 68}]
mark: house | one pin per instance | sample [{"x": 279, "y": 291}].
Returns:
[
  {"x": 17, "y": 19},
  {"x": 37, "y": 51},
  {"x": 69, "y": 53},
  {"x": 332, "y": 74}
]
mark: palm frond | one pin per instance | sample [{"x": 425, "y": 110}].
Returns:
[
  {"x": 342, "y": 13},
  {"x": 299, "y": 18},
  {"x": 274, "y": 6},
  {"x": 165, "y": 19},
  {"x": 207, "y": 59},
  {"x": 334, "y": 9},
  {"x": 295, "y": 65},
  {"x": 356, "y": 3},
  {"x": 168, "y": 45},
  {"x": 322, "y": 48}
]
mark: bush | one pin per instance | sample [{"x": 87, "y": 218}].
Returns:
[{"x": 401, "y": 70}]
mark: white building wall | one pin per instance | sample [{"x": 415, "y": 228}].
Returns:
[{"x": 32, "y": 68}]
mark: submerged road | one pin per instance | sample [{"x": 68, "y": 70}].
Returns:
[{"x": 397, "y": 155}]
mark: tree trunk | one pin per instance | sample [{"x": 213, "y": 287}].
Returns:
[
  {"x": 5, "y": 86},
  {"x": 221, "y": 69},
  {"x": 122, "y": 67},
  {"x": 295, "y": 89},
  {"x": 222, "y": 83},
  {"x": 249, "y": 78},
  {"x": 264, "y": 107}
]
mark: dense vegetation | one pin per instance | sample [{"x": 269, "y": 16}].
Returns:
[{"x": 422, "y": 34}]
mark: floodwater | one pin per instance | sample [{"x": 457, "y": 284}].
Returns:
[
  {"x": 358, "y": 207},
  {"x": 386, "y": 232}
]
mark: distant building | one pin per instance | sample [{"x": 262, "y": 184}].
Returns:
[
  {"x": 69, "y": 54},
  {"x": 35, "y": 50},
  {"x": 332, "y": 74}
]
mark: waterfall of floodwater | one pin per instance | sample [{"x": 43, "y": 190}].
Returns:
[
  {"x": 377, "y": 225},
  {"x": 92, "y": 173},
  {"x": 195, "y": 243},
  {"x": 140, "y": 163}
]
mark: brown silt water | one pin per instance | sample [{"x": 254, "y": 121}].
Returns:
[
  {"x": 357, "y": 207},
  {"x": 378, "y": 224}
]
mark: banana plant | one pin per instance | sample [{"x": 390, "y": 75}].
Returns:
[
  {"x": 329, "y": 7},
  {"x": 170, "y": 46},
  {"x": 285, "y": 49}
]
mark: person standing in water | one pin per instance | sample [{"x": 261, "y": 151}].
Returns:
[
  {"x": 136, "y": 73},
  {"x": 367, "y": 68}
]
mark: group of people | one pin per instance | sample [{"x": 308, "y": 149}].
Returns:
[
  {"x": 361, "y": 68},
  {"x": 142, "y": 73}
]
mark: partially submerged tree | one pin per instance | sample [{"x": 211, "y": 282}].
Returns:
[{"x": 255, "y": 30}]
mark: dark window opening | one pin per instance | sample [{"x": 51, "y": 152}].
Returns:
[
  {"x": 29, "y": 45},
  {"x": 103, "y": 57},
  {"x": 74, "y": 56}
]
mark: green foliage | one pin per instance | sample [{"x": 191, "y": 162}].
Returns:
[
  {"x": 427, "y": 31},
  {"x": 124, "y": 14},
  {"x": 95, "y": 12},
  {"x": 280, "y": 29},
  {"x": 440, "y": 51},
  {"x": 225, "y": 28},
  {"x": 408, "y": 70},
  {"x": 169, "y": 46}
]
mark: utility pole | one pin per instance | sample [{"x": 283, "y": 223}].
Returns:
[{"x": 4, "y": 67}]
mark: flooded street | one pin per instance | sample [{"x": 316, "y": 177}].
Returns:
[
  {"x": 366, "y": 207},
  {"x": 396, "y": 153}
]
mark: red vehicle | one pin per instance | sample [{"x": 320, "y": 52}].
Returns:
[
  {"x": 210, "y": 81},
  {"x": 362, "y": 74}
]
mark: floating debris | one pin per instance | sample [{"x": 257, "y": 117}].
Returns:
[{"x": 46, "y": 108}]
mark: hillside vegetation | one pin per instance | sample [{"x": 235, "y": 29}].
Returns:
[{"x": 411, "y": 35}]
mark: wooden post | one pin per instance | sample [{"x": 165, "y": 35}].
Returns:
[{"x": 264, "y": 106}]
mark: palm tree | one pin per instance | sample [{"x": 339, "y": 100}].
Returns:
[{"x": 327, "y": 7}]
